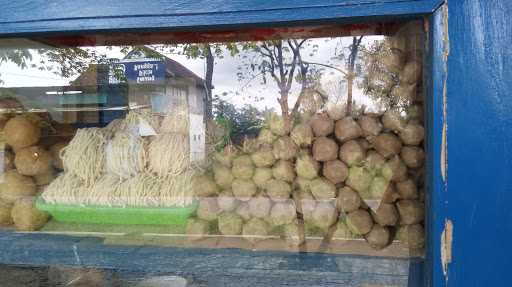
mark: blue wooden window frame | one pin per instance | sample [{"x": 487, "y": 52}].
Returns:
[{"x": 46, "y": 18}]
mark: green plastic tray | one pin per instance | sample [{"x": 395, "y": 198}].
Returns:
[{"x": 118, "y": 215}]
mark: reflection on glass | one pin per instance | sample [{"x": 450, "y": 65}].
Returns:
[{"x": 291, "y": 142}]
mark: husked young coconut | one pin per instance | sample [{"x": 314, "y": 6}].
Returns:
[
  {"x": 306, "y": 167},
  {"x": 325, "y": 149},
  {"x": 260, "y": 206},
  {"x": 222, "y": 175},
  {"x": 5, "y": 213},
  {"x": 264, "y": 157},
  {"x": 378, "y": 187},
  {"x": 390, "y": 195},
  {"x": 261, "y": 176},
  {"x": 322, "y": 125},
  {"x": 250, "y": 145},
  {"x": 395, "y": 169},
  {"x": 324, "y": 215},
  {"x": 302, "y": 135},
  {"x": 278, "y": 190},
  {"x": 20, "y": 132},
  {"x": 243, "y": 211},
  {"x": 412, "y": 156},
  {"x": 204, "y": 186},
  {"x": 255, "y": 230},
  {"x": 370, "y": 126},
  {"x": 266, "y": 136},
  {"x": 16, "y": 186},
  {"x": 278, "y": 125},
  {"x": 348, "y": 200},
  {"x": 386, "y": 215},
  {"x": 407, "y": 189},
  {"x": 393, "y": 120},
  {"x": 55, "y": 151},
  {"x": 379, "y": 237},
  {"x": 44, "y": 178},
  {"x": 321, "y": 188},
  {"x": 243, "y": 189},
  {"x": 227, "y": 201},
  {"x": 374, "y": 162},
  {"x": 336, "y": 110},
  {"x": 243, "y": 167},
  {"x": 230, "y": 223},
  {"x": 359, "y": 178},
  {"x": 412, "y": 235},
  {"x": 285, "y": 148},
  {"x": 26, "y": 216},
  {"x": 303, "y": 184},
  {"x": 226, "y": 156},
  {"x": 359, "y": 222},
  {"x": 33, "y": 160},
  {"x": 387, "y": 144},
  {"x": 335, "y": 170},
  {"x": 394, "y": 61},
  {"x": 412, "y": 134},
  {"x": 196, "y": 228},
  {"x": 208, "y": 209},
  {"x": 404, "y": 92},
  {"x": 411, "y": 72},
  {"x": 283, "y": 213},
  {"x": 283, "y": 170},
  {"x": 352, "y": 153},
  {"x": 411, "y": 211},
  {"x": 347, "y": 129}
]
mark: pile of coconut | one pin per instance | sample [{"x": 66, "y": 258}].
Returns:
[
  {"x": 30, "y": 162},
  {"x": 348, "y": 177}
]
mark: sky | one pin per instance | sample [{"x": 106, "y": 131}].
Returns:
[{"x": 249, "y": 90}]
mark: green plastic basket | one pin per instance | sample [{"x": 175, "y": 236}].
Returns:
[{"x": 118, "y": 215}]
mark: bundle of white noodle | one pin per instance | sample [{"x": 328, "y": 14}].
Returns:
[
  {"x": 137, "y": 117},
  {"x": 168, "y": 154},
  {"x": 65, "y": 189},
  {"x": 125, "y": 155},
  {"x": 84, "y": 156},
  {"x": 103, "y": 192}
]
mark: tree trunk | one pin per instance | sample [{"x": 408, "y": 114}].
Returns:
[
  {"x": 208, "y": 82},
  {"x": 354, "y": 49},
  {"x": 350, "y": 84}
]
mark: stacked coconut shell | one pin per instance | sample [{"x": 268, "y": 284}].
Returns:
[{"x": 30, "y": 148}]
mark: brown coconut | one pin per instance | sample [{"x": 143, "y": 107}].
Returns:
[
  {"x": 352, "y": 153},
  {"x": 379, "y": 237},
  {"x": 21, "y": 132},
  {"x": 411, "y": 211},
  {"x": 393, "y": 120},
  {"x": 348, "y": 200},
  {"x": 412, "y": 134},
  {"x": 387, "y": 144},
  {"x": 390, "y": 195},
  {"x": 26, "y": 216},
  {"x": 285, "y": 148},
  {"x": 33, "y": 161},
  {"x": 374, "y": 162},
  {"x": 359, "y": 222},
  {"x": 407, "y": 189},
  {"x": 370, "y": 126},
  {"x": 347, "y": 129},
  {"x": 335, "y": 170},
  {"x": 44, "y": 178},
  {"x": 325, "y": 149},
  {"x": 322, "y": 125},
  {"x": 412, "y": 156},
  {"x": 386, "y": 215},
  {"x": 16, "y": 186},
  {"x": 412, "y": 235},
  {"x": 55, "y": 151},
  {"x": 395, "y": 169}
]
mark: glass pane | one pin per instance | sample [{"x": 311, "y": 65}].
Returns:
[{"x": 302, "y": 139}]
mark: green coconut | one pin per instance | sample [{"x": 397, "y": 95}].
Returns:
[
  {"x": 243, "y": 189},
  {"x": 302, "y": 135},
  {"x": 285, "y": 148},
  {"x": 378, "y": 187},
  {"x": 243, "y": 167},
  {"x": 261, "y": 176},
  {"x": 352, "y": 153},
  {"x": 303, "y": 184},
  {"x": 347, "y": 129},
  {"x": 283, "y": 170},
  {"x": 359, "y": 178},
  {"x": 230, "y": 223},
  {"x": 278, "y": 190},
  {"x": 306, "y": 167},
  {"x": 335, "y": 170},
  {"x": 322, "y": 188}
]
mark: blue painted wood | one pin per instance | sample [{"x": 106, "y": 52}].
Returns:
[
  {"x": 216, "y": 267},
  {"x": 40, "y": 16},
  {"x": 478, "y": 193}
]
